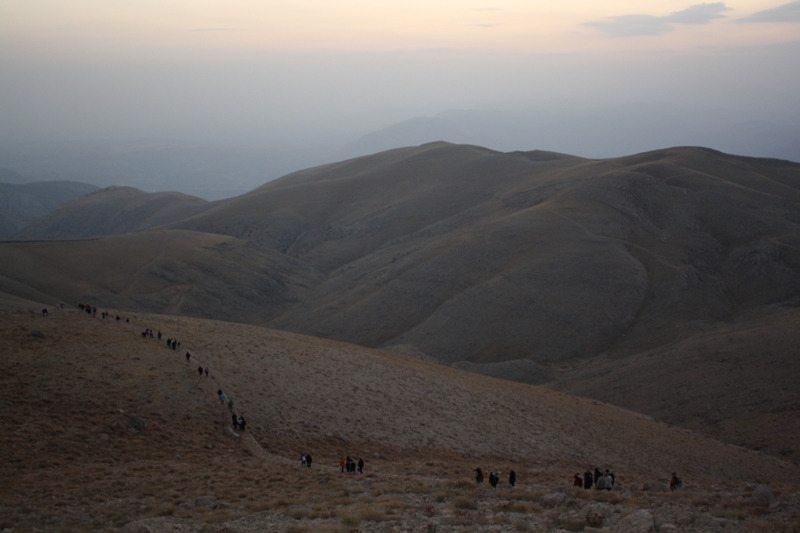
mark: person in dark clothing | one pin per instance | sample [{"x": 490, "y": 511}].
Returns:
[
  {"x": 308, "y": 460},
  {"x": 360, "y": 465},
  {"x": 159, "y": 334},
  {"x": 493, "y": 479},
  {"x": 234, "y": 421},
  {"x": 200, "y": 371},
  {"x": 588, "y": 480},
  {"x": 188, "y": 356},
  {"x": 242, "y": 423},
  {"x": 206, "y": 371},
  {"x": 479, "y": 475},
  {"x": 512, "y": 478}
]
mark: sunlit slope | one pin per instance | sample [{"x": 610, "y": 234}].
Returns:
[
  {"x": 468, "y": 254},
  {"x": 113, "y": 211},
  {"x": 167, "y": 271}
]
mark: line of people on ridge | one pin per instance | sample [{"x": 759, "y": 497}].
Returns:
[
  {"x": 494, "y": 477},
  {"x": 599, "y": 480},
  {"x": 350, "y": 466}
]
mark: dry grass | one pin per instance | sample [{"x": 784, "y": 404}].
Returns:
[{"x": 95, "y": 375}]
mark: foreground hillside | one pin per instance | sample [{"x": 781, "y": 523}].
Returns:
[{"x": 103, "y": 427}]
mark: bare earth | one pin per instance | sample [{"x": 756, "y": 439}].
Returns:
[{"x": 77, "y": 387}]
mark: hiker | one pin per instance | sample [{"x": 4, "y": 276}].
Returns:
[
  {"x": 230, "y": 404},
  {"x": 512, "y": 478},
  {"x": 200, "y": 371},
  {"x": 242, "y": 423},
  {"x": 610, "y": 475},
  {"x": 234, "y": 421},
  {"x": 360, "y": 465},
  {"x": 159, "y": 334},
  {"x": 44, "y": 312},
  {"x": 303, "y": 460},
  {"x": 188, "y": 356},
  {"x": 493, "y": 479},
  {"x": 308, "y": 460},
  {"x": 207, "y": 375},
  {"x": 577, "y": 480},
  {"x": 674, "y": 482},
  {"x": 349, "y": 464},
  {"x": 478, "y": 475},
  {"x": 175, "y": 345},
  {"x": 588, "y": 481},
  {"x": 341, "y": 465},
  {"x": 601, "y": 483},
  {"x": 222, "y": 396}
]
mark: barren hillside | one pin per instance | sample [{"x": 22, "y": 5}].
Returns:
[{"x": 103, "y": 427}]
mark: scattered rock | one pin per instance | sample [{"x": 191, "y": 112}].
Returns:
[
  {"x": 205, "y": 501},
  {"x": 655, "y": 486},
  {"x": 762, "y": 497},
  {"x": 137, "y": 423},
  {"x": 553, "y": 499},
  {"x": 38, "y": 334},
  {"x": 639, "y": 521}
]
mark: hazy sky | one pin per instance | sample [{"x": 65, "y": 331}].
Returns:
[{"x": 263, "y": 71}]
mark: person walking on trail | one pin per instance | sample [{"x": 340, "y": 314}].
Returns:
[
  {"x": 221, "y": 395},
  {"x": 478, "y": 475},
  {"x": 206, "y": 371},
  {"x": 341, "y": 465},
  {"x": 493, "y": 479},
  {"x": 303, "y": 460},
  {"x": 200, "y": 371},
  {"x": 242, "y": 423},
  {"x": 308, "y": 460},
  {"x": 512, "y": 478},
  {"x": 360, "y": 465},
  {"x": 188, "y": 356},
  {"x": 234, "y": 421},
  {"x": 588, "y": 480}
]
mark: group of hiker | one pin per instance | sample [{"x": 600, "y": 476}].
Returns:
[
  {"x": 597, "y": 480},
  {"x": 349, "y": 465},
  {"x": 494, "y": 477}
]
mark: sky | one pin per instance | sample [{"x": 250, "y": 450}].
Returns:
[{"x": 293, "y": 72}]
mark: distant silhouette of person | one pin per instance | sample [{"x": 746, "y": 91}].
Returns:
[
  {"x": 303, "y": 460},
  {"x": 230, "y": 404},
  {"x": 588, "y": 481},
  {"x": 234, "y": 421},
  {"x": 44, "y": 312},
  {"x": 341, "y": 465},
  {"x": 159, "y": 334},
  {"x": 188, "y": 356},
  {"x": 221, "y": 395},
  {"x": 674, "y": 482},
  {"x": 493, "y": 479},
  {"x": 360, "y": 465},
  {"x": 479, "y": 475},
  {"x": 308, "y": 460},
  {"x": 200, "y": 371},
  {"x": 242, "y": 423},
  {"x": 206, "y": 371},
  {"x": 512, "y": 478},
  {"x": 577, "y": 480}
]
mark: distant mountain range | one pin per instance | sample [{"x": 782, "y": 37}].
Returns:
[
  {"x": 591, "y": 276},
  {"x": 23, "y": 202}
]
